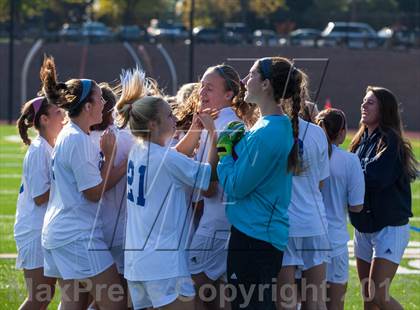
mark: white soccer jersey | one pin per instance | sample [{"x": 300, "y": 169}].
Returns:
[
  {"x": 157, "y": 220},
  {"x": 35, "y": 182},
  {"x": 213, "y": 222},
  {"x": 113, "y": 204},
  {"x": 306, "y": 210},
  {"x": 344, "y": 187},
  {"x": 75, "y": 168}
]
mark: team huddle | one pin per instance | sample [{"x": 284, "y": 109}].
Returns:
[{"x": 234, "y": 194}]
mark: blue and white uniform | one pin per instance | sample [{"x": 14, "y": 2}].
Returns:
[
  {"x": 158, "y": 221},
  {"x": 344, "y": 188},
  {"x": 113, "y": 204},
  {"x": 29, "y": 217},
  {"x": 308, "y": 223},
  {"x": 209, "y": 244},
  {"x": 72, "y": 232}
]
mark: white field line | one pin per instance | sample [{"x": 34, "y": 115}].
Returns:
[
  {"x": 10, "y": 176},
  {"x": 10, "y": 165},
  {"x": 414, "y": 263},
  {"x": 13, "y": 138},
  {"x": 7, "y": 216},
  {"x": 8, "y": 191},
  {"x": 400, "y": 270},
  {"x": 11, "y": 156},
  {"x": 8, "y": 256},
  {"x": 12, "y": 149}
]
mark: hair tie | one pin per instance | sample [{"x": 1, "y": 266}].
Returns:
[
  {"x": 37, "y": 103},
  {"x": 265, "y": 65}
]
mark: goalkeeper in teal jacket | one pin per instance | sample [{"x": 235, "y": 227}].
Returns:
[{"x": 255, "y": 171}]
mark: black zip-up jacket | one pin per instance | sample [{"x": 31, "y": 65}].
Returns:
[{"x": 388, "y": 193}]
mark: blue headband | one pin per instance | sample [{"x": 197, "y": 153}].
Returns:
[
  {"x": 265, "y": 65},
  {"x": 86, "y": 87}
]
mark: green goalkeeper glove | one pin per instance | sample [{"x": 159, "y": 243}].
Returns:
[{"x": 229, "y": 137}]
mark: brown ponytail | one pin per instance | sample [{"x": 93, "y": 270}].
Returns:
[
  {"x": 29, "y": 119},
  {"x": 332, "y": 121},
  {"x": 64, "y": 95},
  {"x": 293, "y": 162}
]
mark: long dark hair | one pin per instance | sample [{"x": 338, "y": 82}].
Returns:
[
  {"x": 289, "y": 88},
  {"x": 390, "y": 120}
]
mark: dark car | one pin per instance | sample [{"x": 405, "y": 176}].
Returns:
[
  {"x": 165, "y": 31},
  {"x": 96, "y": 32},
  {"x": 70, "y": 32},
  {"x": 206, "y": 35},
  {"x": 265, "y": 37},
  {"x": 237, "y": 33},
  {"x": 304, "y": 37},
  {"x": 130, "y": 33},
  {"x": 355, "y": 35}
]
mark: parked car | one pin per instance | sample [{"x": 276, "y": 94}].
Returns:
[
  {"x": 304, "y": 37},
  {"x": 236, "y": 33},
  {"x": 401, "y": 37},
  {"x": 70, "y": 32},
  {"x": 96, "y": 32},
  {"x": 166, "y": 31},
  {"x": 130, "y": 33},
  {"x": 206, "y": 35},
  {"x": 355, "y": 35},
  {"x": 265, "y": 37}
]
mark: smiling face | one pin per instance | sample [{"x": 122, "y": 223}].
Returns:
[
  {"x": 370, "y": 110},
  {"x": 96, "y": 105},
  {"x": 252, "y": 84},
  {"x": 212, "y": 92}
]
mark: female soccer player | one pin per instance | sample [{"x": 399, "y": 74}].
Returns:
[
  {"x": 219, "y": 89},
  {"x": 389, "y": 165},
  {"x": 343, "y": 191},
  {"x": 158, "y": 178},
  {"x": 258, "y": 184},
  {"x": 47, "y": 119},
  {"x": 75, "y": 250}
]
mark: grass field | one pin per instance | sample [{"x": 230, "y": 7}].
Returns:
[{"x": 405, "y": 286}]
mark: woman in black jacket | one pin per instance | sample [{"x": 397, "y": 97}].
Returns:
[{"x": 389, "y": 165}]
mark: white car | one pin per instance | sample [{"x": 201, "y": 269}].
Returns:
[{"x": 355, "y": 35}]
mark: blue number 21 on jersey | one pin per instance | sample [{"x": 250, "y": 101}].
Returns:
[{"x": 130, "y": 179}]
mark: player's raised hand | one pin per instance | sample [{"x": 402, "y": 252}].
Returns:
[
  {"x": 107, "y": 143},
  {"x": 207, "y": 121}
]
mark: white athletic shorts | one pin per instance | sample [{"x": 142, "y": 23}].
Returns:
[
  {"x": 208, "y": 255},
  {"x": 338, "y": 268},
  {"x": 159, "y": 293},
  {"x": 306, "y": 252},
  {"x": 117, "y": 253},
  {"x": 31, "y": 255},
  {"x": 388, "y": 243},
  {"x": 78, "y": 259}
]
